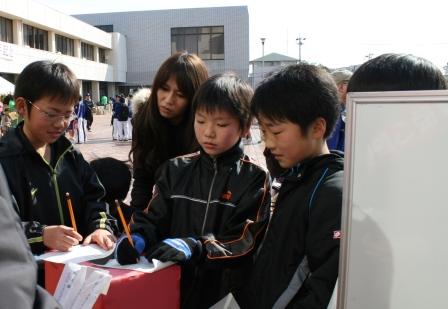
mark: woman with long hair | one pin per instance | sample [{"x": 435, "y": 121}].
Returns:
[{"x": 163, "y": 126}]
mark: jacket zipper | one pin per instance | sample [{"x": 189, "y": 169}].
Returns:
[
  {"x": 215, "y": 167},
  {"x": 58, "y": 198},
  {"x": 56, "y": 186}
]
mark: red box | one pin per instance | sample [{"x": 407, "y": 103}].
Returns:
[{"x": 129, "y": 288}]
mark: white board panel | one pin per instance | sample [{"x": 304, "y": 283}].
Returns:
[{"x": 394, "y": 251}]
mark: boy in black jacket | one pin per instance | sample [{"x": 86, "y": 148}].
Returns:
[
  {"x": 297, "y": 265},
  {"x": 210, "y": 209},
  {"x": 41, "y": 165}
]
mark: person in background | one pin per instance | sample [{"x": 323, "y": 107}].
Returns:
[
  {"x": 297, "y": 265},
  {"x": 103, "y": 100},
  {"x": 114, "y": 117},
  {"x": 131, "y": 114},
  {"x": 397, "y": 72},
  {"x": 81, "y": 111},
  {"x": 13, "y": 115},
  {"x": 337, "y": 139},
  {"x": 121, "y": 125},
  {"x": 89, "y": 111},
  {"x": 41, "y": 165},
  {"x": 8, "y": 101},
  {"x": 163, "y": 128},
  {"x": 5, "y": 122},
  {"x": 209, "y": 209}
]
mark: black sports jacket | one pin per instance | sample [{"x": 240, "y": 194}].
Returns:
[
  {"x": 38, "y": 188},
  {"x": 225, "y": 203},
  {"x": 297, "y": 265}
]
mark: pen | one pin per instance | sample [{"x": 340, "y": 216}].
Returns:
[
  {"x": 70, "y": 210},
  {"x": 123, "y": 221}
]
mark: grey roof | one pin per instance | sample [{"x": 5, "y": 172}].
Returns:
[{"x": 275, "y": 57}]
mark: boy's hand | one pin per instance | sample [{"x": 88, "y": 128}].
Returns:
[
  {"x": 60, "y": 237},
  {"x": 176, "y": 249},
  {"x": 102, "y": 238},
  {"x": 125, "y": 253}
]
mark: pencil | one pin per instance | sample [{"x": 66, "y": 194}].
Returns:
[
  {"x": 70, "y": 210},
  {"x": 123, "y": 221}
]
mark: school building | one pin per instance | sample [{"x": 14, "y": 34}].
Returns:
[{"x": 118, "y": 52}]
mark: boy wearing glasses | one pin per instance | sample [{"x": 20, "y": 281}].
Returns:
[{"x": 41, "y": 165}]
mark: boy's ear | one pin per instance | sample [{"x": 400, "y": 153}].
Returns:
[
  {"x": 318, "y": 128},
  {"x": 245, "y": 130},
  {"x": 20, "y": 106}
]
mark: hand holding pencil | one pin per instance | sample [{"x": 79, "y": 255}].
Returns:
[
  {"x": 123, "y": 221},
  {"x": 129, "y": 246},
  {"x": 101, "y": 237},
  {"x": 60, "y": 237}
]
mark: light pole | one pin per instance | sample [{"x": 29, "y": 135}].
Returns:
[
  {"x": 299, "y": 42},
  {"x": 262, "y": 57}
]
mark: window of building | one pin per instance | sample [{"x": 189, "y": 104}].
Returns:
[
  {"x": 102, "y": 55},
  {"x": 5, "y": 30},
  {"x": 35, "y": 37},
  {"x": 103, "y": 89},
  {"x": 106, "y": 28},
  {"x": 87, "y": 51},
  {"x": 206, "y": 42},
  {"x": 65, "y": 45},
  {"x": 86, "y": 88}
]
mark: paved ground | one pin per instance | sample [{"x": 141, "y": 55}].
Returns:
[{"x": 99, "y": 143}]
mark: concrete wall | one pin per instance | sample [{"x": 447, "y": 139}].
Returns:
[
  {"x": 84, "y": 69},
  {"x": 14, "y": 57},
  {"x": 148, "y": 35},
  {"x": 36, "y": 14}
]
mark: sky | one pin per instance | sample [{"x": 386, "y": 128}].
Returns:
[{"x": 339, "y": 33}]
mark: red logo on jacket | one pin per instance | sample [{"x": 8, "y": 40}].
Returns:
[
  {"x": 226, "y": 196},
  {"x": 336, "y": 234}
]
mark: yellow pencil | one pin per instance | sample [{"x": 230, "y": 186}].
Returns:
[
  {"x": 123, "y": 221},
  {"x": 70, "y": 210}
]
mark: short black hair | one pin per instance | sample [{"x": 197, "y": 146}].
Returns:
[
  {"x": 397, "y": 72},
  {"x": 46, "y": 78},
  {"x": 299, "y": 93},
  {"x": 115, "y": 175},
  {"x": 226, "y": 92}
]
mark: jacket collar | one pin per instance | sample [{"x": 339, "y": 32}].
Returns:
[
  {"x": 226, "y": 158},
  {"x": 15, "y": 143},
  {"x": 335, "y": 159}
]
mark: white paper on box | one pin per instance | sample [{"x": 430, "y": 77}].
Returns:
[
  {"x": 77, "y": 254},
  {"x": 97, "y": 282},
  {"x": 69, "y": 284},
  {"x": 80, "y": 286}
]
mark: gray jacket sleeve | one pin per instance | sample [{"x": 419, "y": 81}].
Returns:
[{"x": 18, "y": 270}]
